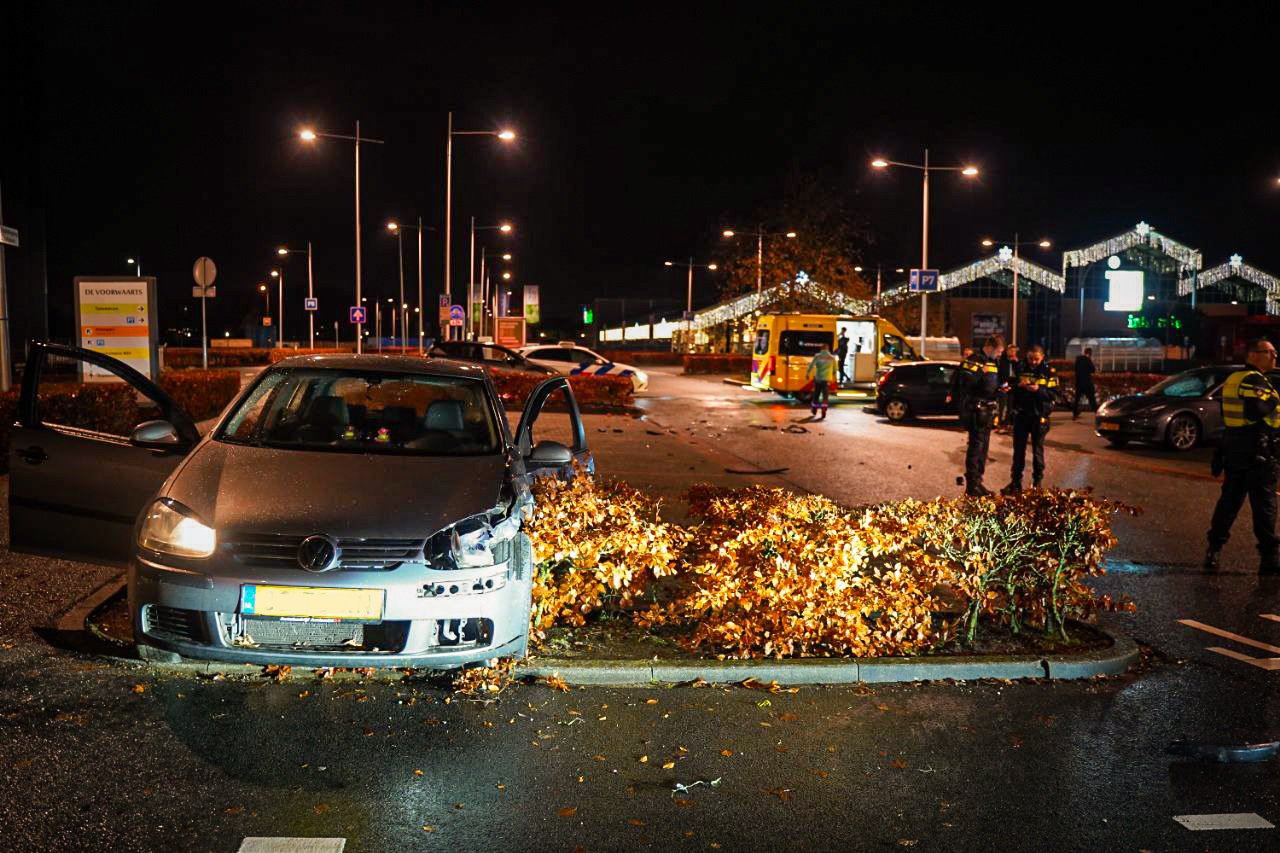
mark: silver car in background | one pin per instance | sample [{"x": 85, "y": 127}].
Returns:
[{"x": 344, "y": 511}]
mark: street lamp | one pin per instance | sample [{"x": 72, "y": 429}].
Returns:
[
  {"x": 502, "y": 228},
  {"x": 285, "y": 252},
  {"x": 278, "y": 274},
  {"x": 688, "y": 309},
  {"x": 899, "y": 270},
  {"x": 396, "y": 227},
  {"x": 924, "y": 168},
  {"x": 760, "y": 235},
  {"x": 1006, "y": 255},
  {"x": 506, "y": 135},
  {"x": 266, "y": 295},
  {"x": 309, "y": 135},
  {"x": 134, "y": 262}
]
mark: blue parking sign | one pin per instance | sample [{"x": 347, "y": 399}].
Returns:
[
  {"x": 311, "y": 304},
  {"x": 357, "y": 314},
  {"x": 923, "y": 281}
]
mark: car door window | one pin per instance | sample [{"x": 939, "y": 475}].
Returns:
[{"x": 939, "y": 375}]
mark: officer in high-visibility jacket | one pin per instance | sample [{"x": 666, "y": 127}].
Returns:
[
  {"x": 1034, "y": 394},
  {"x": 976, "y": 385},
  {"x": 1249, "y": 455}
]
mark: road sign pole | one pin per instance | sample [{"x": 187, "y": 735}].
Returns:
[
  {"x": 6, "y": 370},
  {"x": 204, "y": 330},
  {"x": 924, "y": 259},
  {"x": 311, "y": 317}
]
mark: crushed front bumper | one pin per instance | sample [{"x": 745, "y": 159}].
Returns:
[{"x": 437, "y": 619}]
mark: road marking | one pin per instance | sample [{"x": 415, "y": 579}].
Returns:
[
  {"x": 260, "y": 844},
  {"x": 1240, "y": 820},
  {"x": 1209, "y": 629},
  {"x": 1273, "y": 617},
  {"x": 1269, "y": 664}
]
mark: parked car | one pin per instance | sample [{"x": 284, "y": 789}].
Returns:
[
  {"x": 910, "y": 389},
  {"x": 346, "y": 510},
  {"x": 490, "y": 355},
  {"x": 568, "y": 357},
  {"x": 1179, "y": 412}
]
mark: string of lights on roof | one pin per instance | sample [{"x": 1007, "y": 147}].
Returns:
[
  {"x": 1142, "y": 235},
  {"x": 802, "y": 285},
  {"x": 984, "y": 268},
  {"x": 1236, "y": 268}
]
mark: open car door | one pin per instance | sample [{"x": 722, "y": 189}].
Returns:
[
  {"x": 77, "y": 484},
  {"x": 558, "y": 455}
]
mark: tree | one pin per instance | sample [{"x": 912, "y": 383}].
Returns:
[{"x": 828, "y": 243}]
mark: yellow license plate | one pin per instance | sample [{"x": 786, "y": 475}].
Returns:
[
  {"x": 364, "y": 605},
  {"x": 1108, "y": 426}
]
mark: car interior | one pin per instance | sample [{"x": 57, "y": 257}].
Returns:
[{"x": 312, "y": 410}]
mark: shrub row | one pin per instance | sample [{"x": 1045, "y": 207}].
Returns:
[
  {"x": 1108, "y": 385},
  {"x": 202, "y": 394},
  {"x": 772, "y": 573},
  {"x": 716, "y": 363},
  {"x": 591, "y": 392},
  {"x": 641, "y": 357}
]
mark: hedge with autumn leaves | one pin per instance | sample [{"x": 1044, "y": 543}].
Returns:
[
  {"x": 113, "y": 407},
  {"x": 769, "y": 573}
]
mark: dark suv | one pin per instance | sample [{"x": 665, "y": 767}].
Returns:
[{"x": 912, "y": 389}]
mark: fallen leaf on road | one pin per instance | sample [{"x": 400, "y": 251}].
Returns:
[
  {"x": 726, "y": 752},
  {"x": 684, "y": 804},
  {"x": 368, "y": 732},
  {"x": 668, "y": 765},
  {"x": 417, "y": 773},
  {"x": 783, "y": 794},
  {"x": 426, "y": 827},
  {"x": 277, "y": 672},
  {"x": 598, "y": 758},
  {"x": 139, "y": 688},
  {"x": 644, "y": 759},
  {"x": 555, "y": 682},
  {"x": 320, "y": 808},
  {"x": 651, "y": 701},
  {"x": 568, "y": 811},
  {"x": 304, "y": 694},
  {"x": 635, "y": 822},
  {"x": 500, "y": 786},
  {"x": 233, "y": 810},
  {"x": 898, "y": 764}
]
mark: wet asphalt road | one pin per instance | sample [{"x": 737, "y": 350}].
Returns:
[{"x": 105, "y": 756}]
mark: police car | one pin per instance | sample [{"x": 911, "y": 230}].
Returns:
[{"x": 568, "y": 357}]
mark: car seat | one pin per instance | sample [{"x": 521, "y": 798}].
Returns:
[{"x": 323, "y": 419}]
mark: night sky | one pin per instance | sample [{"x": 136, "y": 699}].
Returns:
[{"x": 145, "y": 129}]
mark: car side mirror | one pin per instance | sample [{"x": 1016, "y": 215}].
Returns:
[
  {"x": 157, "y": 435},
  {"x": 550, "y": 454}
]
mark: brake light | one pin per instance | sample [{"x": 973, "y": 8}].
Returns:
[
  {"x": 884, "y": 377},
  {"x": 773, "y": 365}
]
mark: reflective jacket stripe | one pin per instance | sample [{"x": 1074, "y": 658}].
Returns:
[{"x": 1241, "y": 385}]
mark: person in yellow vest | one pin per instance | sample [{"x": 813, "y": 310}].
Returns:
[
  {"x": 1248, "y": 457},
  {"x": 822, "y": 370}
]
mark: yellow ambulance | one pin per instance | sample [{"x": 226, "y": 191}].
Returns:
[{"x": 786, "y": 343}]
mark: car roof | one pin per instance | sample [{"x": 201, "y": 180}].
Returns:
[
  {"x": 387, "y": 363},
  {"x": 950, "y": 362}
]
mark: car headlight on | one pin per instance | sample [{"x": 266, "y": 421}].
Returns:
[{"x": 170, "y": 529}]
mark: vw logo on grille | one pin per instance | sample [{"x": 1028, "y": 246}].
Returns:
[{"x": 318, "y": 553}]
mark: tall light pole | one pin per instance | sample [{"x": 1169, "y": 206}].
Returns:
[
  {"x": 309, "y": 135},
  {"x": 395, "y": 227},
  {"x": 284, "y": 252},
  {"x": 278, "y": 275},
  {"x": 505, "y": 136},
  {"x": 688, "y": 303},
  {"x": 899, "y": 270},
  {"x": 924, "y": 168},
  {"x": 136, "y": 264},
  {"x": 266, "y": 295},
  {"x": 505, "y": 228},
  {"x": 760, "y": 235},
  {"x": 1005, "y": 255}
]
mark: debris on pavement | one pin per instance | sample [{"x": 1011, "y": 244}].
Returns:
[
  {"x": 763, "y": 471},
  {"x": 1245, "y": 753}
]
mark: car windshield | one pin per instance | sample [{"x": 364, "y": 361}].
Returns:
[
  {"x": 361, "y": 411},
  {"x": 1193, "y": 383}
]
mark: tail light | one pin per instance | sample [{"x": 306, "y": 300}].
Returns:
[
  {"x": 773, "y": 365},
  {"x": 884, "y": 377}
]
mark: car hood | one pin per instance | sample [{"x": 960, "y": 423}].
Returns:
[
  {"x": 269, "y": 490},
  {"x": 1132, "y": 404}
]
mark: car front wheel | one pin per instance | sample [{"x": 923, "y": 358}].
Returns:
[
  {"x": 897, "y": 410},
  {"x": 1183, "y": 432}
]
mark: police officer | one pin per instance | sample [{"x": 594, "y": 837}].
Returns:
[
  {"x": 1249, "y": 452},
  {"x": 1034, "y": 393},
  {"x": 976, "y": 385}
]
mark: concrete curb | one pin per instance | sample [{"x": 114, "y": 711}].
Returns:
[{"x": 1114, "y": 660}]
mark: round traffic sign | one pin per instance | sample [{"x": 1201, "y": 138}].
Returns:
[{"x": 204, "y": 271}]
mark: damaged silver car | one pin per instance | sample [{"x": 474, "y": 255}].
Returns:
[{"x": 343, "y": 511}]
